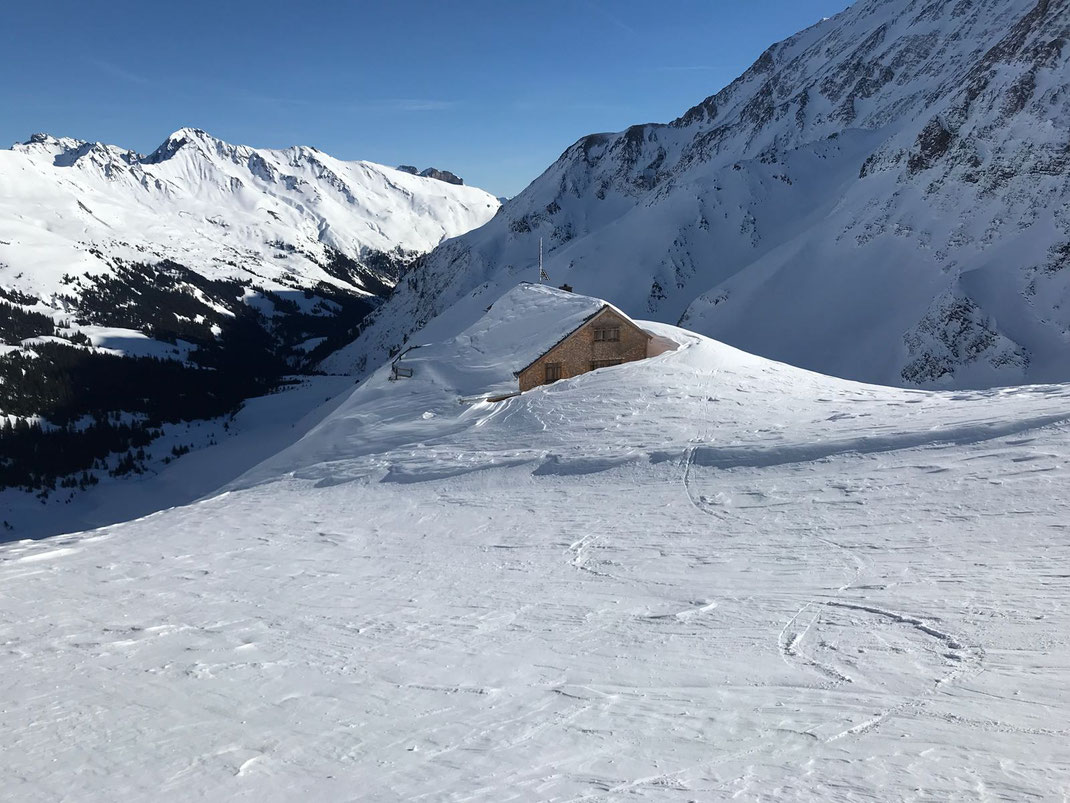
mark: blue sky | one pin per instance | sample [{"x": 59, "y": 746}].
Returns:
[{"x": 493, "y": 90}]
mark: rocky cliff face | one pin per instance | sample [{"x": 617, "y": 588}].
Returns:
[
  {"x": 882, "y": 196},
  {"x": 433, "y": 172},
  {"x": 442, "y": 175}
]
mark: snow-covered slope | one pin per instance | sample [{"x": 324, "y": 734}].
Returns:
[
  {"x": 277, "y": 218},
  {"x": 882, "y": 196},
  {"x": 693, "y": 577}
]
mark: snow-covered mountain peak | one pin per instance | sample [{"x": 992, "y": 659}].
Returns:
[
  {"x": 193, "y": 137},
  {"x": 702, "y": 575},
  {"x": 191, "y": 133},
  {"x": 43, "y": 141},
  {"x": 66, "y": 151}
]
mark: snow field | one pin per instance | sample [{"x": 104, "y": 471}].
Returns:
[{"x": 693, "y": 577}]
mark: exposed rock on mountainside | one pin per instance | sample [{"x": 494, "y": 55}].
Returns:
[
  {"x": 882, "y": 196},
  {"x": 441, "y": 175},
  {"x": 433, "y": 172}
]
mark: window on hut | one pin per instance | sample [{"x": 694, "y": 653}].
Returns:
[
  {"x": 596, "y": 364},
  {"x": 607, "y": 333},
  {"x": 553, "y": 371}
]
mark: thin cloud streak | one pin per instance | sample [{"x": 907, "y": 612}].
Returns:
[
  {"x": 417, "y": 105},
  {"x": 583, "y": 106},
  {"x": 691, "y": 68},
  {"x": 115, "y": 71},
  {"x": 613, "y": 18},
  {"x": 379, "y": 106}
]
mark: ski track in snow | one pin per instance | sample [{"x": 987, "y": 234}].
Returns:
[
  {"x": 620, "y": 587},
  {"x": 814, "y": 613}
]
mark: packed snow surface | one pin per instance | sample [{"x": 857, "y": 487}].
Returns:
[{"x": 693, "y": 577}]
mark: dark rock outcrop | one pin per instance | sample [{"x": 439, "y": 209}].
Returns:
[{"x": 441, "y": 175}]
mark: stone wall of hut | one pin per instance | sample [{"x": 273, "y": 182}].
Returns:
[{"x": 581, "y": 352}]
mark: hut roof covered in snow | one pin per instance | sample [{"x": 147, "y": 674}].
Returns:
[{"x": 518, "y": 328}]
